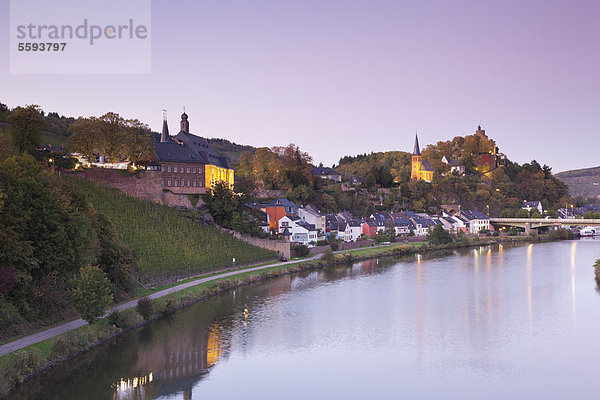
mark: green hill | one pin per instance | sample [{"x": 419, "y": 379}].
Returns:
[
  {"x": 582, "y": 182},
  {"x": 165, "y": 241},
  {"x": 231, "y": 150}
]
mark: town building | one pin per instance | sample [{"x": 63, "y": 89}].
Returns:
[
  {"x": 455, "y": 165},
  {"x": 352, "y": 231},
  {"x": 187, "y": 163}
]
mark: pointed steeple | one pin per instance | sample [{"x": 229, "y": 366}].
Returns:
[
  {"x": 164, "y": 135},
  {"x": 416, "y": 150}
]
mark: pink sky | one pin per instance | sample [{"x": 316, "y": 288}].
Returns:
[{"x": 345, "y": 77}]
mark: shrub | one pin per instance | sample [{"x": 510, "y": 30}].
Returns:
[
  {"x": 328, "y": 256},
  {"x": 26, "y": 361},
  {"x": 168, "y": 306},
  {"x": 116, "y": 318},
  {"x": 130, "y": 317},
  {"x": 61, "y": 347},
  {"x": 9, "y": 314},
  {"x": 597, "y": 269},
  {"x": 300, "y": 250},
  {"x": 145, "y": 308},
  {"x": 335, "y": 245}
]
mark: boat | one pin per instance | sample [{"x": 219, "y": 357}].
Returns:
[{"x": 589, "y": 231}]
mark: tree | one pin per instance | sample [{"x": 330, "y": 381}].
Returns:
[
  {"x": 90, "y": 293},
  {"x": 438, "y": 235},
  {"x": 111, "y": 136},
  {"x": 26, "y": 127},
  {"x": 522, "y": 213}
]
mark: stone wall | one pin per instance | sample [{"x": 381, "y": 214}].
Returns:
[
  {"x": 280, "y": 246},
  {"x": 142, "y": 184}
]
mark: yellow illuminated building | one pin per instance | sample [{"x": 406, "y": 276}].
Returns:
[
  {"x": 420, "y": 170},
  {"x": 214, "y": 174}
]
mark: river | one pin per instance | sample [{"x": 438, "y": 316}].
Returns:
[{"x": 494, "y": 322}]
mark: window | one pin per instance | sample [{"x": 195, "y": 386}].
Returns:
[
  {"x": 163, "y": 181},
  {"x": 188, "y": 183},
  {"x": 194, "y": 183},
  {"x": 187, "y": 169},
  {"x": 175, "y": 182},
  {"x": 169, "y": 168},
  {"x": 199, "y": 169},
  {"x": 193, "y": 169},
  {"x": 175, "y": 168},
  {"x": 182, "y": 182},
  {"x": 181, "y": 168}
]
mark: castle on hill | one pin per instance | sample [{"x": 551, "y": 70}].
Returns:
[{"x": 486, "y": 162}]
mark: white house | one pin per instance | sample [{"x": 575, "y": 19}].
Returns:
[
  {"x": 455, "y": 165},
  {"x": 476, "y": 220},
  {"x": 353, "y": 231},
  {"x": 300, "y": 231},
  {"x": 531, "y": 205}
]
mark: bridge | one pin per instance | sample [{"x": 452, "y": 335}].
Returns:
[{"x": 533, "y": 223}]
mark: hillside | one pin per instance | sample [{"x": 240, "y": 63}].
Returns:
[
  {"x": 582, "y": 182},
  {"x": 165, "y": 241},
  {"x": 231, "y": 150}
]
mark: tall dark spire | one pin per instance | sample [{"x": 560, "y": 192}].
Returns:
[
  {"x": 416, "y": 150},
  {"x": 184, "y": 124},
  {"x": 164, "y": 135}
]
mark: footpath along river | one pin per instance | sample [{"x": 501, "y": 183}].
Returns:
[{"x": 493, "y": 322}]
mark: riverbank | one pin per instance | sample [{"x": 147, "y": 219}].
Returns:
[{"x": 19, "y": 366}]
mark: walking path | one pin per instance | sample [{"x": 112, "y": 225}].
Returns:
[{"x": 66, "y": 327}]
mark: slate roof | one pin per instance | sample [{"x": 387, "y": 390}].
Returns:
[
  {"x": 181, "y": 147},
  {"x": 281, "y": 203},
  {"x": 426, "y": 166},
  {"x": 533, "y": 204},
  {"x": 322, "y": 171}
]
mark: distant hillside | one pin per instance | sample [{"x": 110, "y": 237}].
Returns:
[
  {"x": 582, "y": 182},
  {"x": 231, "y": 150}
]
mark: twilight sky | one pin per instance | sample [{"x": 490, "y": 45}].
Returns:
[{"x": 342, "y": 77}]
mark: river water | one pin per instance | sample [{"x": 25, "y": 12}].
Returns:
[{"x": 495, "y": 322}]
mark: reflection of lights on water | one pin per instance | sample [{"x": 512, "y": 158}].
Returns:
[
  {"x": 573, "y": 269},
  {"x": 124, "y": 386},
  {"x": 529, "y": 266},
  {"x": 214, "y": 346}
]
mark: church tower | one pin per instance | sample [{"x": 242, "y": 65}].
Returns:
[
  {"x": 184, "y": 124},
  {"x": 417, "y": 160}
]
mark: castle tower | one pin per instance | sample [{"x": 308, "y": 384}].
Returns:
[
  {"x": 164, "y": 135},
  {"x": 184, "y": 124},
  {"x": 417, "y": 160}
]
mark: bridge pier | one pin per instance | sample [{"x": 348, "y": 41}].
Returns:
[{"x": 527, "y": 228}]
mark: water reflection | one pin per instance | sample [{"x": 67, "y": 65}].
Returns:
[{"x": 427, "y": 325}]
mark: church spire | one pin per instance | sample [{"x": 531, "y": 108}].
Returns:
[
  {"x": 416, "y": 150},
  {"x": 164, "y": 135}
]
